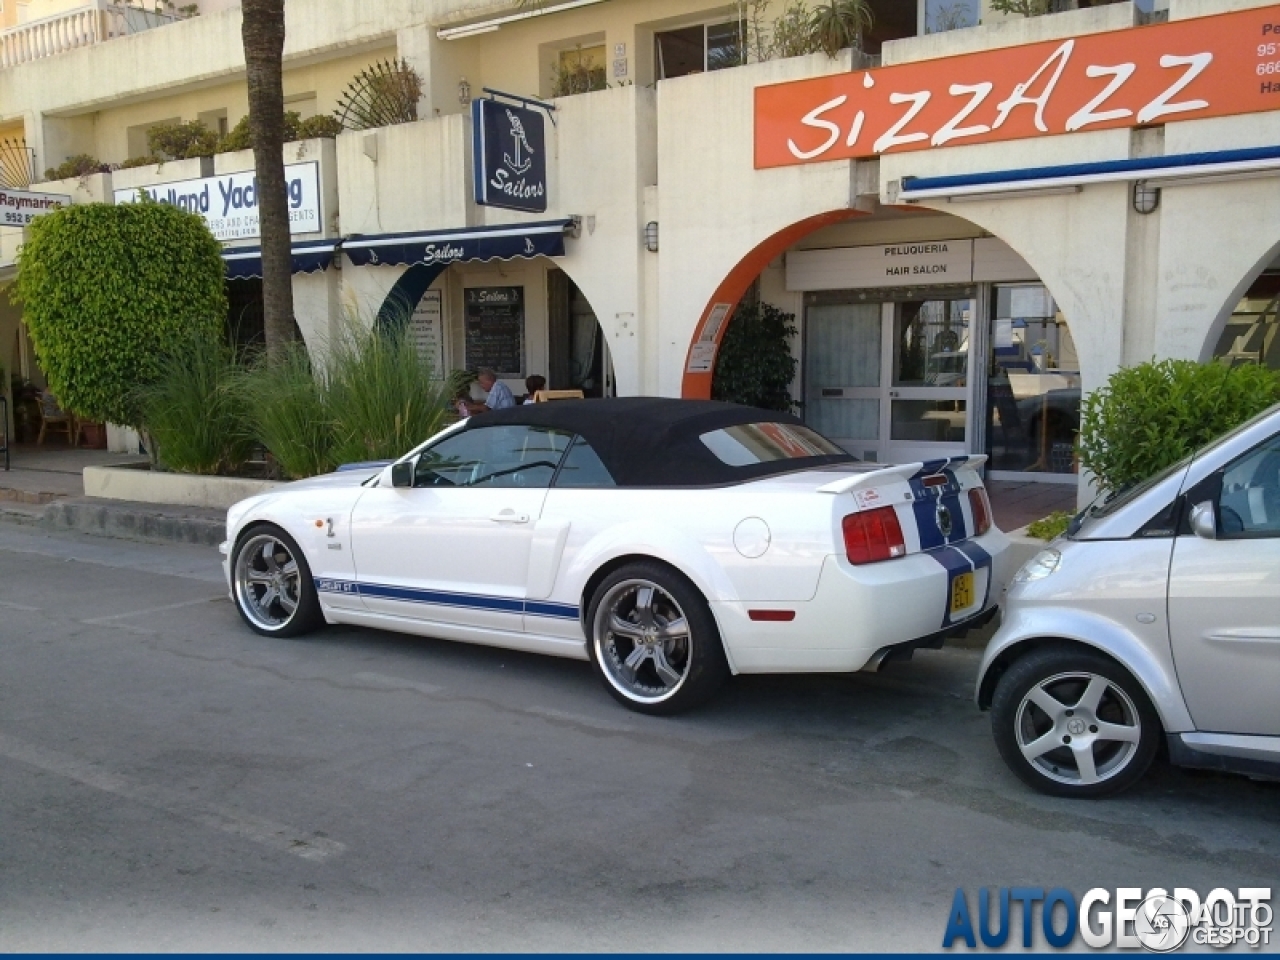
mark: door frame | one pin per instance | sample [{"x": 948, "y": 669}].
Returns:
[{"x": 888, "y": 298}]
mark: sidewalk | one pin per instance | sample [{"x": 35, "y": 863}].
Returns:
[
  {"x": 1017, "y": 503},
  {"x": 43, "y": 474}
]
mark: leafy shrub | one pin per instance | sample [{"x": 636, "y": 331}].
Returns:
[
  {"x": 1152, "y": 415},
  {"x": 576, "y": 74},
  {"x": 196, "y": 413},
  {"x": 108, "y": 291},
  {"x": 1050, "y": 527},
  {"x": 146, "y": 161},
  {"x": 321, "y": 125},
  {"x": 837, "y": 24},
  {"x": 81, "y": 165},
  {"x": 289, "y": 411},
  {"x": 295, "y": 128},
  {"x": 1028, "y": 8},
  {"x": 182, "y": 141},
  {"x": 754, "y": 365}
]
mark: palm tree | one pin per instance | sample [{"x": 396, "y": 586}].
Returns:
[
  {"x": 837, "y": 24},
  {"x": 262, "y": 31}
]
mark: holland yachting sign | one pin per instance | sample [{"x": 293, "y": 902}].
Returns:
[{"x": 510, "y": 156}]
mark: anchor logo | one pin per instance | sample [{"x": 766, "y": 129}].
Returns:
[
  {"x": 528, "y": 246},
  {"x": 522, "y": 160}
]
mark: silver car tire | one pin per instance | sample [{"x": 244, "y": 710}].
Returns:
[
  {"x": 1073, "y": 723},
  {"x": 653, "y": 641},
  {"x": 272, "y": 585}
]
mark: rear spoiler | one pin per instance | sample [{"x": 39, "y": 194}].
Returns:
[{"x": 902, "y": 472}]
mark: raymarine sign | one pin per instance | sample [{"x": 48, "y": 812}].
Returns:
[
  {"x": 229, "y": 203},
  {"x": 18, "y": 207}
]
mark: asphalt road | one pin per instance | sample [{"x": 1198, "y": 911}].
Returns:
[{"x": 171, "y": 781}]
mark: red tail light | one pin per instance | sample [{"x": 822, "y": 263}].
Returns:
[
  {"x": 872, "y": 536},
  {"x": 981, "y": 508}
]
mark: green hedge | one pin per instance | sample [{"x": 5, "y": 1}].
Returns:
[
  {"x": 1152, "y": 415},
  {"x": 108, "y": 291}
]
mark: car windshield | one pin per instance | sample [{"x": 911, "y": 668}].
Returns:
[{"x": 751, "y": 443}]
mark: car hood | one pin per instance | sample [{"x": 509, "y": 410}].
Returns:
[{"x": 340, "y": 478}]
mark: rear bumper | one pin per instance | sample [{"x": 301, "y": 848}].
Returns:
[{"x": 866, "y": 615}]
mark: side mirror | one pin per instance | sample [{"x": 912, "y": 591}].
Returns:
[
  {"x": 402, "y": 474},
  {"x": 1204, "y": 521}
]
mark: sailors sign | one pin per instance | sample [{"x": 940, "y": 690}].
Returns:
[
  {"x": 510, "y": 156},
  {"x": 1185, "y": 70}
]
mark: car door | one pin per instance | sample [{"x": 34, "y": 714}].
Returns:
[
  {"x": 455, "y": 547},
  {"x": 1224, "y": 600}
]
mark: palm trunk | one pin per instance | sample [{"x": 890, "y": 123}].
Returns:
[{"x": 263, "y": 34}]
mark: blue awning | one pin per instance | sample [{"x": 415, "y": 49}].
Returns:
[
  {"x": 439, "y": 248},
  {"x": 308, "y": 256}
]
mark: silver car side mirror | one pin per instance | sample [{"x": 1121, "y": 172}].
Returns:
[{"x": 1204, "y": 521}]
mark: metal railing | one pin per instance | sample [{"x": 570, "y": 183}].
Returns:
[{"x": 95, "y": 22}]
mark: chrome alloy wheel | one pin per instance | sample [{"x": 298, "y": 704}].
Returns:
[
  {"x": 267, "y": 581},
  {"x": 1077, "y": 728},
  {"x": 642, "y": 641}
]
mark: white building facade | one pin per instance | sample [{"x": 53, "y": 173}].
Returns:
[{"x": 970, "y": 226}]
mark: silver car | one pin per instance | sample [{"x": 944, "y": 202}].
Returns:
[{"x": 1156, "y": 615}]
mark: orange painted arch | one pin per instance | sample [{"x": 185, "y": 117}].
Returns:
[{"x": 696, "y": 382}]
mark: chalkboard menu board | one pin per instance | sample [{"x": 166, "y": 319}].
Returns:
[{"x": 495, "y": 329}]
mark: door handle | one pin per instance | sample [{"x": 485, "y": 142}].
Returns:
[{"x": 509, "y": 516}]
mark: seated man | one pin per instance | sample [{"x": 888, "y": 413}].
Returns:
[{"x": 498, "y": 397}]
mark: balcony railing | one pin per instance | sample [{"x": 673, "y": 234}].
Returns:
[{"x": 93, "y": 23}]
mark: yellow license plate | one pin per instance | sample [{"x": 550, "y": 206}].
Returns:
[{"x": 962, "y": 592}]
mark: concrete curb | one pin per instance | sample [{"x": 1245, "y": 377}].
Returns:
[{"x": 127, "y": 520}]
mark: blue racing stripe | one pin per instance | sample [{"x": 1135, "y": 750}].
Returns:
[{"x": 469, "y": 601}]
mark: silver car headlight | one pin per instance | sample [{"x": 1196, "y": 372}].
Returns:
[{"x": 1038, "y": 567}]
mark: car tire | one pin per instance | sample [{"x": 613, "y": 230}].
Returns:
[
  {"x": 1073, "y": 723},
  {"x": 272, "y": 585},
  {"x": 653, "y": 641}
]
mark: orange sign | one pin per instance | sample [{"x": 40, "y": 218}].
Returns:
[{"x": 1187, "y": 70}]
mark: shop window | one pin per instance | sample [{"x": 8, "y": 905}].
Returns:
[
  {"x": 698, "y": 49},
  {"x": 1250, "y": 335},
  {"x": 1033, "y": 392}
]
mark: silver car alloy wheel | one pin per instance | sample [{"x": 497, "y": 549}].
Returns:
[
  {"x": 1077, "y": 728},
  {"x": 267, "y": 581},
  {"x": 642, "y": 641}
]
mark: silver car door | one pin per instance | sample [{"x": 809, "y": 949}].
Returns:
[{"x": 1224, "y": 601}]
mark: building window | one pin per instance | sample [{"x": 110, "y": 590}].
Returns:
[
  {"x": 698, "y": 49},
  {"x": 1033, "y": 387},
  {"x": 1250, "y": 335},
  {"x": 943, "y": 15}
]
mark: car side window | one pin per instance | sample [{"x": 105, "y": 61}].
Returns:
[
  {"x": 1249, "y": 505},
  {"x": 501, "y": 456},
  {"x": 583, "y": 467}
]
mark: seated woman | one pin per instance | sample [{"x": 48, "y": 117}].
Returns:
[{"x": 532, "y": 384}]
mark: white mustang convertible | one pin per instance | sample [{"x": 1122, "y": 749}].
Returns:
[{"x": 671, "y": 542}]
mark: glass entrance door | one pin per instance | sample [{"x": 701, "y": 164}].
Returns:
[
  {"x": 842, "y": 375},
  {"x": 928, "y": 377},
  {"x": 890, "y": 381}
]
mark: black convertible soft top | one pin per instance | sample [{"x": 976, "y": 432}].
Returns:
[{"x": 654, "y": 441}]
